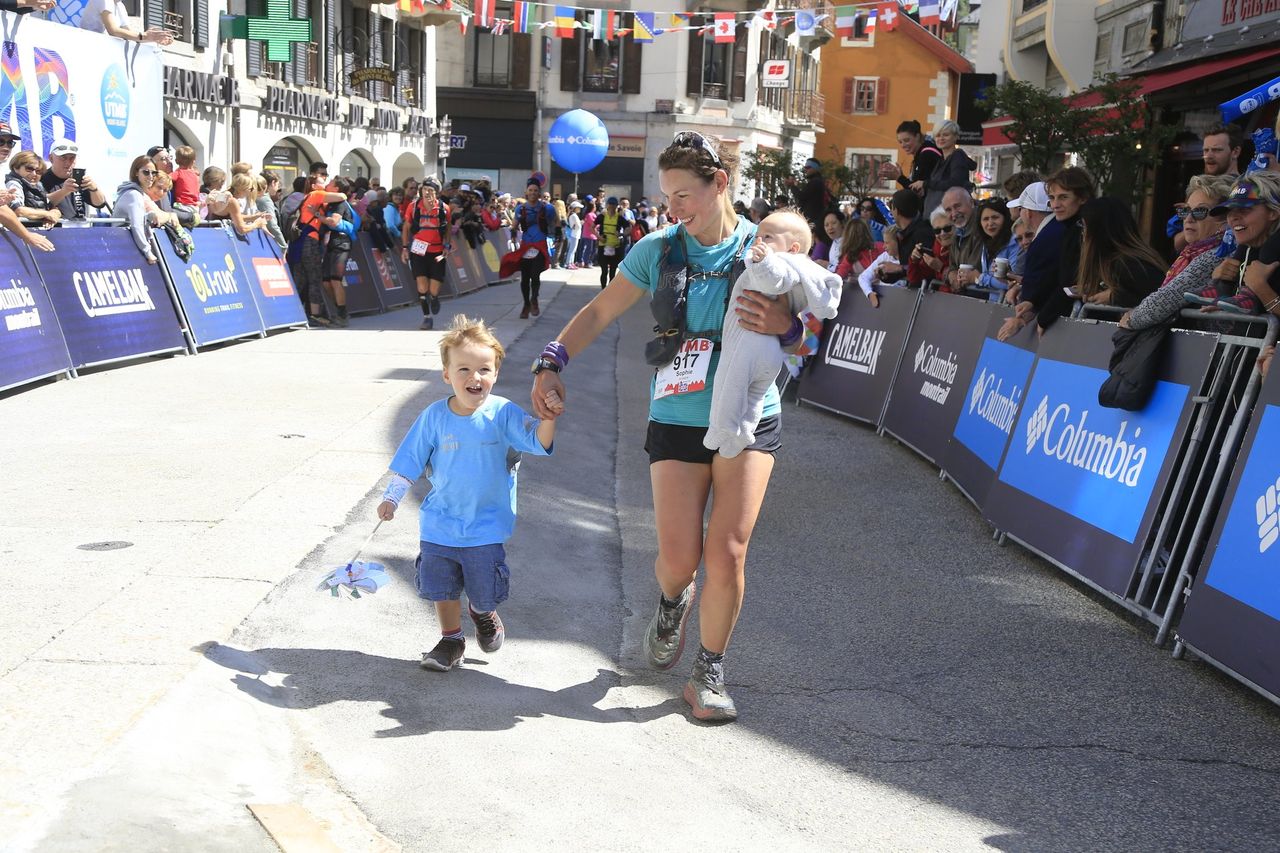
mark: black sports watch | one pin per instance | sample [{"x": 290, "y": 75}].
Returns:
[{"x": 542, "y": 363}]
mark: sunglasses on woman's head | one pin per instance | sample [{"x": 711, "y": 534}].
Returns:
[
  {"x": 1196, "y": 213},
  {"x": 691, "y": 139}
]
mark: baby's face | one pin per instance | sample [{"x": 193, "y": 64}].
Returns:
[{"x": 778, "y": 233}]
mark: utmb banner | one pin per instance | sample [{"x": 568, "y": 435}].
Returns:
[
  {"x": 1233, "y": 611},
  {"x": 105, "y": 93}
]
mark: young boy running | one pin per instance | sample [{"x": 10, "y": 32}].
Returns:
[{"x": 467, "y": 440}]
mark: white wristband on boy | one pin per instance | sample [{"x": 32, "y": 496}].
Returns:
[{"x": 396, "y": 489}]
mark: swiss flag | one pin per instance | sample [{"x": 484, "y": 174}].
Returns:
[
  {"x": 724, "y": 27},
  {"x": 887, "y": 18}
]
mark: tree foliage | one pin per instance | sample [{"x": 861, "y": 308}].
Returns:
[{"x": 1108, "y": 125}]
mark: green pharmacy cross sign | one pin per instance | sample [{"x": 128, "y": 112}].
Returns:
[{"x": 279, "y": 29}]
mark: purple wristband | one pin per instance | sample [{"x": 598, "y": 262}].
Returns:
[
  {"x": 556, "y": 352},
  {"x": 793, "y": 334}
]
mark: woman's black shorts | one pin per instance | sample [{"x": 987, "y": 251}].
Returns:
[
  {"x": 427, "y": 266},
  {"x": 335, "y": 264},
  {"x": 684, "y": 443}
]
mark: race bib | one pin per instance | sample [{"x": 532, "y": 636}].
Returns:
[
  {"x": 418, "y": 247},
  {"x": 687, "y": 373},
  {"x": 610, "y": 251}
]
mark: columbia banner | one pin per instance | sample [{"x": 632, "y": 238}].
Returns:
[
  {"x": 854, "y": 367},
  {"x": 928, "y": 392},
  {"x": 990, "y": 406},
  {"x": 117, "y": 110},
  {"x": 268, "y": 279},
  {"x": 1233, "y": 611},
  {"x": 31, "y": 343},
  {"x": 211, "y": 287},
  {"x": 1081, "y": 483},
  {"x": 110, "y": 302}
]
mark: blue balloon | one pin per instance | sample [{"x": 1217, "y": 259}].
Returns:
[{"x": 578, "y": 141}]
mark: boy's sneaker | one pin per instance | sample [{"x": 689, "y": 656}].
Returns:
[
  {"x": 1244, "y": 302},
  {"x": 445, "y": 656},
  {"x": 489, "y": 630},
  {"x": 665, "y": 638},
  {"x": 706, "y": 695},
  {"x": 1208, "y": 294}
]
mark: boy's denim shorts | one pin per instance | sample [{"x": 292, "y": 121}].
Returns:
[{"x": 445, "y": 572}]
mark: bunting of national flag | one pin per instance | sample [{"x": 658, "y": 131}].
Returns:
[
  {"x": 845, "y": 18},
  {"x": 768, "y": 19},
  {"x": 603, "y": 24},
  {"x": 805, "y": 23},
  {"x": 930, "y": 12},
  {"x": 887, "y": 17},
  {"x": 484, "y": 11},
  {"x": 565, "y": 23},
  {"x": 644, "y": 28},
  {"x": 499, "y": 27},
  {"x": 911, "y": 7},
  {"x": 462, "y": 24},
  {"x": 681, "y": 19},
  {"x": 725, "y": 27},
  {"x": 871, "y": 22},
  {"x": 520, "y": 16}
]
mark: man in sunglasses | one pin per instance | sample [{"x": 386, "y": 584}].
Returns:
[
  {"x": 8, "y": 219},
  {"x": 70, "y": 189}
]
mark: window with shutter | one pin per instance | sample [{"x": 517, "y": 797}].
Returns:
[
  {"x": 253, "y": 49},
  {"x": 738, "y": 90},
  {"x": 200, "y": 23},
  {"x": 348, "y": 37},
  {"x": 570, "y": 64},
  {"x": 882, "y": 95},
  {"x": 693, "y": 81},
  {"x": 846, "y": 105},
  {"x": 153, "y": 14},
  {"x": 332, "y": 60},
  {"x": 521, "y": 60}
]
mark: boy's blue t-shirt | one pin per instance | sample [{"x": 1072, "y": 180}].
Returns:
[
  {"x": 473, "y": 484},
  {"x": 706, "y": 310}
]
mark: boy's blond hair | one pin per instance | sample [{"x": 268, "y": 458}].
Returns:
[
  {"x": 465, "y": 331},
  {"x": 185, "y": 157}
]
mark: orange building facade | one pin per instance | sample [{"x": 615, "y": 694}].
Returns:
[{"x": 874, "y": 83}]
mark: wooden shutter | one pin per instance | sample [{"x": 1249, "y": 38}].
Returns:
[
  {"x": 847, "y": 104},
  {"x": 693, "y": 83},
  {"x": 521, "y": 59},
  {"x": 152, "y": 14},
  {"x": 348, "y": 36},
  {"x": 738, "y": 91},
  {"x": 571, "y": 63},
  {"x": 200, "y": 26},
  {"x": 375, "y": 53},
  {"x": 330, "y": 57},
  {"x": 882, "y": 95},
  {"x": 631, "y": 59}
]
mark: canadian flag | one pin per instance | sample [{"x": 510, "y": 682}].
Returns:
[{"x": 724, "y": 27}]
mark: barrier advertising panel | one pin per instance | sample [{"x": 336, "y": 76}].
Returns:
[
  {"x": 490, "y": 253},
  {"x": 853, "y": 368},
  {"x": 989, "y": 408},
  {"x": 211, "y": 286},
  {"x": 110, "y": 302},
  {"x": 464, "y": 273},
  {"x": 376, "y": 266},
  {"x": 269, "y": 282},
  {"x": 102, "y": 92},
  {"x": 928, "y": 390},
  {"x": 31, "y": 343},
  {"x": 362, "y": 294},
  {"x": 1233, "y": 612},
  {"x": 1081, "y": 483}
]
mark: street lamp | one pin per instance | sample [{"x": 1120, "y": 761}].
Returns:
[{"x": 445, "y": 143}]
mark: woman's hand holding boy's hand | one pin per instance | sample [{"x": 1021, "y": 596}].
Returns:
[
  {"x": 546, "y": 384},
  {"x": 386, "y": 510}
]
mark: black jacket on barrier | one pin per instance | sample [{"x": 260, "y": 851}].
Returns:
[{"x": 1134, "y": 365}]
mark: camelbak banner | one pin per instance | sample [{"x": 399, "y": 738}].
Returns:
[
  {"x": 1079, "y": 482},
  {"x": 1233, "y": 611}
]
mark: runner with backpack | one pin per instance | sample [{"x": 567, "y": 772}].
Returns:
[
  {"x": 424, "y": 238},
  {"x": 613, "y": 232}
]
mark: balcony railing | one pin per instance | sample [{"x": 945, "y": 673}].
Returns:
[
  {"x": 173, "y": 24},
  {"x": 806, "y": 108}
]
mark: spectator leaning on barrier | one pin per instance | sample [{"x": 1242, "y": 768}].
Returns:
[
  {"x": 913, "y": 229},
  {"x": 267, "y": 207},
  {"x": 1044, "y": 259},
  {"x": 22, "y": 7},
  {"x": 930, "y": 263},
  {"x": 131, "y": 204},
  {"x": 71, "y": 190},
  {"x": 159, "y": 189},
  {"x": 885, "y": 268},
  {"x": 1193, "y": 269},
  {"x": 1253, "y": 215},
  {"x": 953, "y": 170},
  {"x": 30, "y": 201},
  {"x": 966, "y": 247},
  {"x": 1023, "y": 234},
  {"x": 243, "y": 210},
  {"x": 999, "y": 250},
  {"x": 924, "y": 153},
  {"x": 1069, "y": 190},
  {"x": 1117, "y": 267},
  {"x": 8, "y": 218}
]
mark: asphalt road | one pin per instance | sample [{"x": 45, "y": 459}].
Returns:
[{"x": 903, "y": 682}]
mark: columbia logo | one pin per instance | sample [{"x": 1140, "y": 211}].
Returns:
[
  {"x": 1268, "y": 518},
  {"x": 975, "y": 399},
  {"x": 1038, "y": 423}
]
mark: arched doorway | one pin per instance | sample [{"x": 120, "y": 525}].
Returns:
[
  {"x": 288, "y": 159},
  {"x": 357, "y": 164},
  {"x": 176, "y": 136},
  {"x": 407, "y": 165}
]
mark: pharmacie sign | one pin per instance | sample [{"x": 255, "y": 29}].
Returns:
[
  {"x": 287, "y": 102},
  {"x": 194, "y": 86}
]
